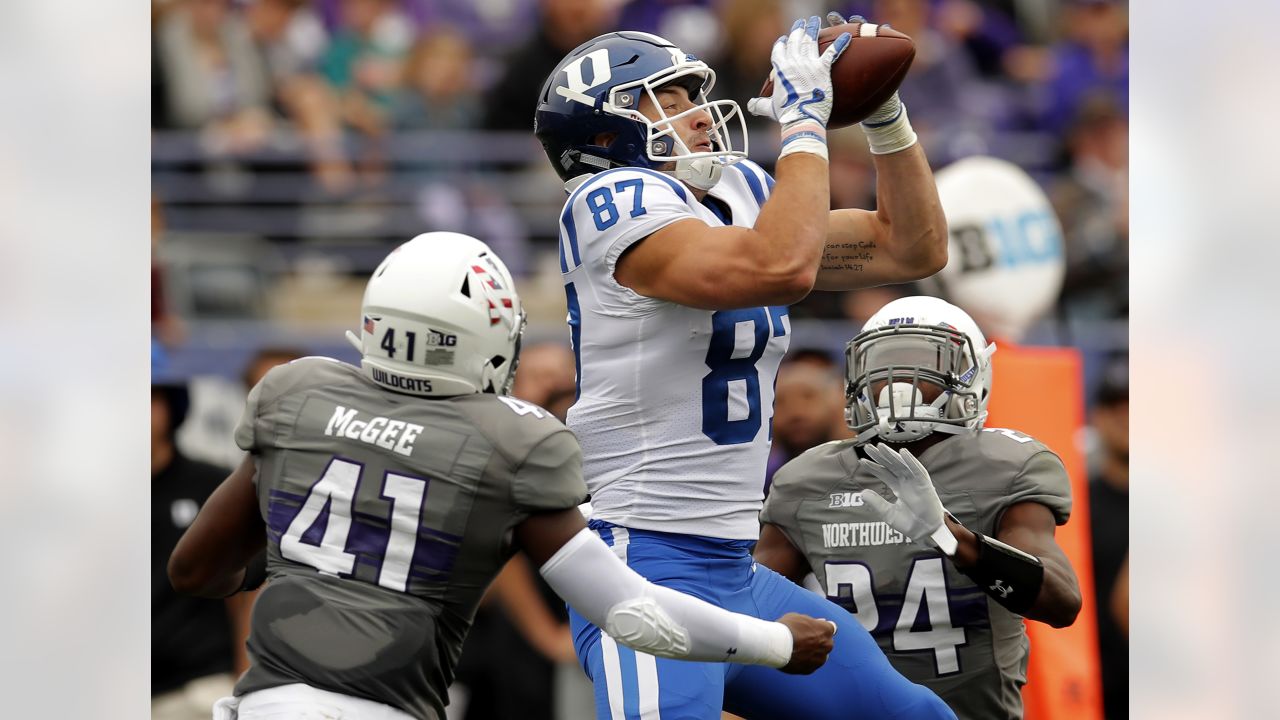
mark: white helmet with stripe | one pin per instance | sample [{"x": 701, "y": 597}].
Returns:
[{"x": 440, "y": 317}]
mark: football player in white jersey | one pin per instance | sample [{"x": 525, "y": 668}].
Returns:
[{"x": 680, "y": 258}]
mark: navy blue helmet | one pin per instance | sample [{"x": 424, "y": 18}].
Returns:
[{"x": 597, "y": 89}]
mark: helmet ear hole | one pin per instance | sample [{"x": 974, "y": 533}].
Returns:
[{"x": 466, "y": 285}]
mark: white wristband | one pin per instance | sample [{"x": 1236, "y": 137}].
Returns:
[
  {"x": 945, "y": 540},
  {"x": 888, "y": 129},
  {"x": 763, "y": 643},
  {"x": 804, "y": 136}
]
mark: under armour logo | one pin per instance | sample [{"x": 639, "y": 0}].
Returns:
[
  {"x": 1001, "y": 588},
  {"x": 732, "y": 651}
]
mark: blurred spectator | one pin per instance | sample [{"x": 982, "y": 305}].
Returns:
[
  {"x": 439, "y": 88},
  {"x": 159, "y": 88},
  {"x": 458, "y": 204},
  {"x": 985, "y": 30},
  {"x": 497, "y": 25},
  {"x": 942, "y": 91},
  {"x": 196, "y": 644},
  {"x": 1120, "y": 600},
  {"x": 290, "y": 35},
  {"x": 648, "y": 15},
  {"x": 1109, "y": 520},
  {"x": 216, "y": 407},
  {"x": 1005, "y": 40},
  {"x": 853, "y": 180},
  {"x": 559, "y": 403},
  {"x": 808, "y": 410},
  {"x": 691, "y": 25},
  {"x": 214, "y": 79},
  {"x": 563, "y": 26},
  {"x": 815, "y": 357},
  {"x": 265, "y": 359},
  {"x": 546, "y": 371},
  {"x": 166, "y": 326},
  {"x": 751, "y": 27},
  {"x": 292, "y": 41},
  {"x": 1092, "y": 200},
  {"x": 364, "y": 62},
  {"x": 1092, "y": 61}
]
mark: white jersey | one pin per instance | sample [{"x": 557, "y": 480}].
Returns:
[{"x": 675, "y": 404}]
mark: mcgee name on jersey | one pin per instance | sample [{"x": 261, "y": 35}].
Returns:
[
  {"x": 395, "y": 435},
  {"x": 860, "y": 534}
]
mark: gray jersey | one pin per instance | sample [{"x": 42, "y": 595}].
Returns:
[
  {"x": 935, "y": 625},
  {"x": 387, "y": 517}
]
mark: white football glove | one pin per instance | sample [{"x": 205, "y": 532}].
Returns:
[
  {"x": 801, "y": 100},
  {"x": 918, "y": 511}
]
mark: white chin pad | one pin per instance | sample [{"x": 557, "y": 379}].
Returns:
[
  {"x": 899, "y": 397},
  {"x": 701, "y": 173},
  {"x": 911, "y": 416}
]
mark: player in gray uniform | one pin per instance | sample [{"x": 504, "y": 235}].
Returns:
[
  {"x": 389, "y": 496},
  {"x": 943, "y": 591}
]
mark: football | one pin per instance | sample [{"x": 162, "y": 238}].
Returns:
[{"x": 869, "y": 71}]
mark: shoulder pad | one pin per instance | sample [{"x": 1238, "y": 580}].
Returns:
[{"x": 616, "y": 175}]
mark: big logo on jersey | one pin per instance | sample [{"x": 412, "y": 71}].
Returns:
[{"x": 846, "y": 499}]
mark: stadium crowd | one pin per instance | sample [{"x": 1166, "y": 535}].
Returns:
[
  {"x": 290, "y": 120},
  {"x": 294, "y": 140}
]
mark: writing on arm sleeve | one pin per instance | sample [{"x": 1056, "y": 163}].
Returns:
[{"x": 607, "y": 215}]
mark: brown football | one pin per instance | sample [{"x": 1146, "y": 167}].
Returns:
[{"x": 866, "y": 74}]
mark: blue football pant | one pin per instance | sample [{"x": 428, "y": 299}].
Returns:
[{"x": 857, "y": 680}]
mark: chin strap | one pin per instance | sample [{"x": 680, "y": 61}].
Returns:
[
  {"x": 701, "y": 173},
  {"x": 898, "y": 399}
]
